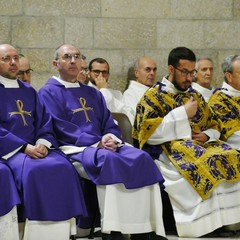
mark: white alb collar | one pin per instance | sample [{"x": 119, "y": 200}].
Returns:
[
  {"x": 67, "y": 84},
  {"x": 9, "y": 83}
]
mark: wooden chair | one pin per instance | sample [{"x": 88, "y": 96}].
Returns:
[{"x": 125, "y": 125}]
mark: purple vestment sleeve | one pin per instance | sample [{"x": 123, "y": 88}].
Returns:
[{"x": 13, "y": 142}]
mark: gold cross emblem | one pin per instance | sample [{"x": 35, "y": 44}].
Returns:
[
  {"x": 21, "y": 112},
  {"x": 84, "y": 108}
]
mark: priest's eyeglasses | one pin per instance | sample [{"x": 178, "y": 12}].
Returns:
[
  {"x": 8, "y": 59},
  {"x": 184, "y": 73},
  {"x": 84, "y": 70},
  {"x": 28, "y": 72},
  {"x": 68, "y": 57},
  {"x": 97, "y": 72}
]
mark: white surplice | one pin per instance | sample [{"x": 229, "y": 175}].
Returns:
[
  {"x": 207, "y": 93},
  {"x": 114, "y": 99},
  {"x": 46, "y": 230},
  {"x": 132, "y": 96},
  {"x": 9, "y": 225}
]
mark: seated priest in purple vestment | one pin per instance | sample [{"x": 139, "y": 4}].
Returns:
[
  {"x": 128, "y": 181},
  {"x": 49, "y": 188}
]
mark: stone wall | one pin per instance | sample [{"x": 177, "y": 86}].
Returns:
[{"x": 120, "y": 31}]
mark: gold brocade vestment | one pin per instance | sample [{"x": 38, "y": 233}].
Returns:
[
  {"x": 227, "y": 108},
  {"x": 203, "y": 165}
]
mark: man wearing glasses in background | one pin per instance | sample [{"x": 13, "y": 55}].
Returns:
[
  {"x": 83, "y": 75},
  {"x": 25, "y": 70},
  {"x": 175, "y": 125},
  {"x": 99, "y": 74}
]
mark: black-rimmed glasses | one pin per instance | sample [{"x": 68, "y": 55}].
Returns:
[
  {"x": 97, "y": 72},
  {"x": 184, "y": 73}
]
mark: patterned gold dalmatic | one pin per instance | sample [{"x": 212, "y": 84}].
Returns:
[
  {"x": 204, "y": 165},
  {"x": 227, "y": 108}
]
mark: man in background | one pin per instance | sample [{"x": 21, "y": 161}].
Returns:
[
  {"x": 99, "y": 76},
  {"x": 83, "y": 75},
  {"x": 145, "y": 69},
  {"x": 202, "y": 81},
  {"x": 24, "y": 72}
]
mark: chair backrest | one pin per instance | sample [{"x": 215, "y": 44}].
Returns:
[{"x": 125, "y": 125}]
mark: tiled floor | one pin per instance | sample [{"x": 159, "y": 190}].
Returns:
[
  {"x": 174, "y": 237},
  {"x": 171, "y": 237}
]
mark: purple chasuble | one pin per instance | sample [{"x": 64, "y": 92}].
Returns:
[
  {"x": 81, "y": 118},
  {"x": 49, "y": 187}
]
